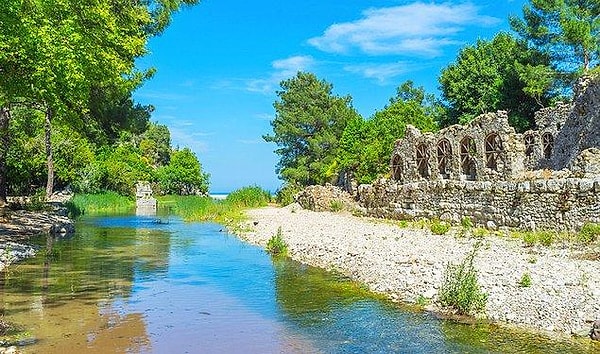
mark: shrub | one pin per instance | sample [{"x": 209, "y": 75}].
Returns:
[
  {"x": 546, "y": 238},
  {"x": 529, "y": 238},
  {"x": 336, "y": 205},
  {"x": 249, "y": 197},
  {"x": 466, "y": 222},
  {"x": 285, "y": 195},
  {"x": 589, "y": 233},
  {"x": 525, "y": 281},
  {"x": 460, "y": 289},
  {"x": 439, "y": 227},
  {"x": 276, "y": 246}
]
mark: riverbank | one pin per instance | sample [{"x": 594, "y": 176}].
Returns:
[
  {"x": 408, "y": 265},
  {"x": 20, "y": 225}
]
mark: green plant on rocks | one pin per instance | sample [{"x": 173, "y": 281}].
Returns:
[
  {"x": 525, "y": 281},
  {"x": 276, "y": 246},
  {"x": 589, "y": 233},
  {"x": 438, "y": 227},
  {"x": 466, "y": 222},
  {"x": 336, "y": 205},
  {"x": 460, "y": 289}
]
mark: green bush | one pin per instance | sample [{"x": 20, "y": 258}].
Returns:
[
  {"x": 530, "y": 238},
  {"x": 466, "y": 222},
  {"x": 249, "y": 197},
  {"x": 276, "y": 246},
  {"x": 525, "y": 281},
  {"x": 589, "y": 233},
  {"x": 438, "y": 227},
  {"x": 285, "y": 195},
  {"x": 546, "y": 238},
  {"x": 336, "y": 205},
  {"x": 460, "y": 289}
]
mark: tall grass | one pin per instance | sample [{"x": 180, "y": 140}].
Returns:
[
  {"x": 228, "y": 211},
  {"x": 106, "y": 202}
]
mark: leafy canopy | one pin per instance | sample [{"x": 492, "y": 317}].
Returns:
[
  {"x": 307, "y": 127},
  {"x": 501, "y": 74},
  {"x": 567, "y": 30}
]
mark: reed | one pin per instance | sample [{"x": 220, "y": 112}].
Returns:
[{"x": 105, "y": 202}]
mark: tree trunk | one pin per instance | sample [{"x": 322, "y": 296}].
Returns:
[
  {"x": 4, "y": 141},
  {"x": 50, "y": 160}
]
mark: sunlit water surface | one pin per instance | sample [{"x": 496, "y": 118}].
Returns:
[{"x": 132, "y": 284}]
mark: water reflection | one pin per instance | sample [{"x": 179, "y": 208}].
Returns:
[{"x": 129, "y": 284}]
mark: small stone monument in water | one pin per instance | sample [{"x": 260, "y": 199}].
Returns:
[{"x": 145, "y": 204}]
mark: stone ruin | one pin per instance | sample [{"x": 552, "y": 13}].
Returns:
[
  {"x": 548, "y": 177},
  {"x": 145, "y": 203}
]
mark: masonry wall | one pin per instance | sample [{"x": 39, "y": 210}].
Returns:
[{"x": 550, "y": 204}]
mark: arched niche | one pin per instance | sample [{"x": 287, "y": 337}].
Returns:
[
  {"x": 444, "y": 158},
  {"x": 493, "y": 151},
  {"x": 468, "y": 150}
]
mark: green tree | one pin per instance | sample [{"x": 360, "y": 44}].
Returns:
[
  {"x": 307, "y": 127},
  {"x": 567, "y": 30},
  {"x": 183, "y": 175},
  {"x": 156, "y": 144},
  {"x": 366, "y": 146},
  {"x": 124, "y": 167},
  {"x": 496, "y": 75},
  {"x": 55, "y": 51}
]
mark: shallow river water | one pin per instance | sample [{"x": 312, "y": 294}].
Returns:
[{"x": 132, "y": 284}]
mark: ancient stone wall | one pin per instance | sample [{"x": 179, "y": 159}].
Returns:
[
  {"x": 545, "y": 178},
  {"x": 565, "y": 203}
]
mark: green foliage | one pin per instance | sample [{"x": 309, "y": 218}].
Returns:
[
  {"x": 106, "y": 202},
  {"x": 249, "y": 197},
  {"x": 307, "y": 127},
  {"x": 567, "y": 30},
  {"x": 156, "y": 145},
  {"x": 546, "y": 238},
  {"x": 285, "y": 195},
  {"x": 366, "y": 146},
  {"x": 529, "y": 238},
  {"x": 496, "y": 75},
  {"x": 589, "y": 233},
  {"x": 276, "y": 245},
  {"x": 183, "y": 175},
  {"x": 460, "y": 288},
  {"x": 438, "y": 227},
  {"x": 124, "y": 168},
  {"x": 336, "y": 205},
  {"x": 466, "y": 222},
  {"x": 525, "y": 281}
]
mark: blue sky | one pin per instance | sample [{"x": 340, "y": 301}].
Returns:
[{"x": 220, "y": 63}]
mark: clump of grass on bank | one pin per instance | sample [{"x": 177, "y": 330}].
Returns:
[
  {"x": 438, "y": 227},
  {"x": 228, "y": 211},
  {"x": 106, "y": 202},
  {"x": 460, "y": 288},
  {"x": 276, "y": 246}
]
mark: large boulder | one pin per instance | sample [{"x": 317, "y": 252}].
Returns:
[{"x": 325, "y": 198}]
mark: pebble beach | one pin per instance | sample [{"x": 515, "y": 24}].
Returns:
[{"x": 407, "y": 265}]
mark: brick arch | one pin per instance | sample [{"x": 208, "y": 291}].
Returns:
[{"x": 444, "y": 157}]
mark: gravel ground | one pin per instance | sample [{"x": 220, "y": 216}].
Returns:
[{"x": 407, "y": 264}]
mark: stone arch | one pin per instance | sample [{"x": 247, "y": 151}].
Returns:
[
  {"x": 444, "y": 158},
  {"x": 529, "y": 144},
  {"x": 493, "y": 150},
  {"x": 468, "y": 150},
  {"x": 422, "y": 159},
  {"x": 547, "y": 145},
  {"x": 397, "y": 168}
]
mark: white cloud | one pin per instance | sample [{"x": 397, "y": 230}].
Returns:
[
  {"x": 417, "y": 29},
  {"x": 380, "y": 72},
  {"x": 283, "y": 69}
]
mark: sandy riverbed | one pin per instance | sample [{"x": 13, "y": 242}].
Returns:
[{"x": 407, "y": 264}]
